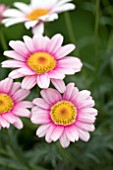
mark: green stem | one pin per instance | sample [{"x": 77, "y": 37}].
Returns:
[
  {"x": 110, "y": 41},
  {"x": 3, "y": 40},
  {"x": 70, "y": 29},
  {"x": 96, "y": 25}
]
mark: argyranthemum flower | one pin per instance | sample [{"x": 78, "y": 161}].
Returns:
[
  {"x": 67, "y": 118},
  {"x": 40, "y": 60},
  {"x": 12, "y": 105},
  {"x": 36, "y": 13},
  {"x": 3, "y": 8}
]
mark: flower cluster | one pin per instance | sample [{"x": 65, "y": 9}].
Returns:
[{"x": 65, "y": 113}]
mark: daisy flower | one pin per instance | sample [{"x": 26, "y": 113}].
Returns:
[
  {"x": 12, "y": 105},
  {"x": 40, "y": 59},
  {"x": 68, "y": 118},
  {"x": 36, "y": 13},
  {"x": 3, "y": 8}
]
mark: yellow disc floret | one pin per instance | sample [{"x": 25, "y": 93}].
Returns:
[
  {"x": 63, "y": 113},
  {"x": 41, "y": 62},
  {"x": 35, "y": 14},
  {"x": 6, "y": 103}
]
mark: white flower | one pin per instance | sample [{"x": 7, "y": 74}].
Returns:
[{"x": 36, "y": 13}]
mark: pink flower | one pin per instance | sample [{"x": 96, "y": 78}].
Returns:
[
  {"x": 67, "y": 118},
  {"x": 2, "y": 9},
  {"x": 40, "y": 59},
  {"x": 36, "y": 13},
  {"x": 12, "y": 105}
]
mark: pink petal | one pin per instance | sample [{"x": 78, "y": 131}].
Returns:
[
  {"x": 70, "y": 62},
  {"x": 14, "y": 74},
  {"x": 29, "y": 44},
  {"x": 6, "y": 85},
  {"x": 72, "y": 133},
  {"x": 57, "y": 132},
  {"x": 75, "y": 94},
  {"x": 90, "y": 111},
  {"x": 83, "y": 95},
  {"x": 21, "y": 112},
  {"x": 3, "y": 122},
  {"x": 41, "y": 103},
  {"x": 39, "y": 42},
  {"x": 53, "y": 95},
  {"x": 36, "y": 110},
  {"x": 83, "y": 135},
  {"x": 56, "y": 74},
  {"x": 40, "y": 118},
  {"x": 13, "y": 120},
  {"x": 28, "y": 82},
  {"x": 13, "y": 54},
  {"x": 15, "y": 87},
  {"x": 12, "y": 64},
  {"x": 45, "y": 97},
  {"x": 9, "y": 117},
  {"x": 55, "y": 43},
  {"x": 43, "y": 81},
  {"x": 59, "y": 85},
  {"x": 49, "y": 133},
  {"x": 19, "y": 47},
  {"x": 25, "y": 71},
  {"x": 65, "y": 50},
  {"x": 86, "y": 118},
  {"x": 67, "y": 71},
  {"x": 64, "y": 140},
  {"x": 69, "y": 91},
  {"x": 20, "y": 95},
  {"x": 86, "y": 103},
  {"x": 24, "y": 104},
  {"x": 18, "y": 124},
  {"x": 41, "y": 131},
  {"x": 85, "y": 126}
]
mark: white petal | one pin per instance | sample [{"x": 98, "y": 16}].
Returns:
[
  {"x": 29, "y": 24},
  {"x": 64, "y": 140},
  {"x": 11, "y": 21},
  {"x": 41, "y": 131},
  {"x": 38, "y": 29},
  {"x": 22, "y": 6},
  {"x": 13, "y": 13},
  {"x": 83, "y": 135},
  {"x": 43, "y": 81}
]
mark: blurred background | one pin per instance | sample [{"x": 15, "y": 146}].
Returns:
[{"x": 90, "y": 28}]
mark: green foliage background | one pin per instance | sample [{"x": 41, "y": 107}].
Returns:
[{"x": 90, "y": 27}]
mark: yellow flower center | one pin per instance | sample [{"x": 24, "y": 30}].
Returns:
[
  {"x": 41, "y": 62},
  {"x": 35, "y": 14},
  {"x": 63, "y": 113},
  {"x": 6, "y": 103}
]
